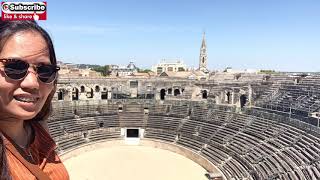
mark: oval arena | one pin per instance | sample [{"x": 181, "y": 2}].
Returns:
[{"x": 241, "y": 127}]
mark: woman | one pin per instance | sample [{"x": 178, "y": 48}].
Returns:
[{"x": 28, "y": 73}]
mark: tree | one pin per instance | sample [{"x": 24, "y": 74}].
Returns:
[
  {"x": 144, "y": 70},
  {"x": 267, "y": 71},
  {"x": 104, "y": 70}
]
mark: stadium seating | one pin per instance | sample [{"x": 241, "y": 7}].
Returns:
[
  {"x": 297, "y": 99},
  {"x": 246, "y": 145}
]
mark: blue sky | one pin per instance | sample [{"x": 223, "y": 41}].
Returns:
[{"x": 283, "y": 35}]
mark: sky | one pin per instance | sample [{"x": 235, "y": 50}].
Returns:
[{"x": 282, "y": 35}]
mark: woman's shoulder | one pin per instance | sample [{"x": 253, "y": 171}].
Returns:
[{"x": 51, "y": 163}]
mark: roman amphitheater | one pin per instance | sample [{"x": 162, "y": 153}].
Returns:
[{"x": 232, "y": 126}]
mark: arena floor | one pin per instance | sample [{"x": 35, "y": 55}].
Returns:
[{"x": 134, "y": 163}]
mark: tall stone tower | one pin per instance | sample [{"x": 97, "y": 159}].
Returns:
[{"x": 203, "y": 55}]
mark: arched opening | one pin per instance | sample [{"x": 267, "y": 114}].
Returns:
[
  {"x": 228, "y": 96},
  {"x": 90, "y": 93},
  {"x": 60, "y": 94},
  {"x": 162, "y": 94},
  {"x": 146, "y": 110},
  {"x": 243, "y": 100},
  {"x": 202, "y": 60},
  {"x": 75, "y": 94},
  {"x": 75, "y": 112},
  {"x": 97, "y": 89},
  {"x": 120, "y": 108},
  {"x": 85, "y": 134},
  {"x": 104, "y": 95},
  {"x": 101, "y": 124},
  {"x": 82, "y": 89},
  {"x": 204, "y": 94},
  {"x": 237, "y": 76},
  {"x": 176, "y": 92},
  {"x": 170, "y": 91},
  {"x": 297, "y": 80},
  {"x": 266, "y": 78}
]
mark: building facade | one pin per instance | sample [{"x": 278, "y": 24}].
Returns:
[
  {"x": 122, "y": 71},
  {"x": 164, "y": 66}
]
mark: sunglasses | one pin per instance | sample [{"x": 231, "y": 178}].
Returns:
[{"x": 17, "y": 69}]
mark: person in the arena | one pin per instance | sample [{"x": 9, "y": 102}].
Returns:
[{"x": 28, "y": 78}]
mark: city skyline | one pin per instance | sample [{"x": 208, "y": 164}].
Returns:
[{"x": 281, "y": 36}]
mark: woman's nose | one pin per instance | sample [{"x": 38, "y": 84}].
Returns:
[{"x": 31, "y": 80}]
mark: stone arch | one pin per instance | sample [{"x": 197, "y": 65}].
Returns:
[
  {"x": 204, "y": 94},
  {"x": 266, "y": 77},
  {"x": 85, "y": 134},
  {"x": 97, "y": 88},
  {"x": 101, "y": 124},
  {"x": 120, "y": 106},
  {"x": 104, "y": 93},
  {"x": 162, "y": 94},
  {"x": 75, "y": 94},
  {"x": 176, "y": 92},
  {"x": 61, "y": 93},
  {"x": 228, "y": 97},
  {"x": 89, "y": 93},
  {"x": 82, "y": 88},
  {"x": 243, "y": 100}
]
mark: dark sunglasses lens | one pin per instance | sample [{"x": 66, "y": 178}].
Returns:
[
  {"x": 46, "y": 73},
  {"x": 16, "y": 69}
]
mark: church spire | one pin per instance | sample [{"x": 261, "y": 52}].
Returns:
[
  {"x": 203, "y": 45},
  {"x": 203, "y": 55}
]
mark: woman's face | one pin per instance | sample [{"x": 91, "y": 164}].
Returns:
[{"x": 23, "y": 99}]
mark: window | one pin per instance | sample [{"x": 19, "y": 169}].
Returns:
[{"x": 133, "y": 84}]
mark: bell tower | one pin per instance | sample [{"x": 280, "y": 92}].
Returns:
[{"x": 203, "y": 55}]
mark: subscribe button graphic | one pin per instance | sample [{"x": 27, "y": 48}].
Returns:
[{"x": 23, "y": 10}]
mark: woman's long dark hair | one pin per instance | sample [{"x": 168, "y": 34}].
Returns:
[{"x": 7, "y": 30}]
